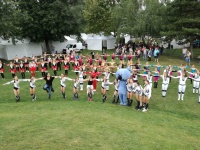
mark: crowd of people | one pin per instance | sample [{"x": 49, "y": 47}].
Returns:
[{"x": 95, "y": 67}]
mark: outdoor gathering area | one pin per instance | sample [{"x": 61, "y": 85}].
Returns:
[{"x": 99, "y": 74}]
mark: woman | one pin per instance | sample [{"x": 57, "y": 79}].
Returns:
[
  {"x": 182, "y": 85},
  {"x": 138, "y": 95},
  {"x": 116, "y": 91},
  {"x": 2, "y": 70},
  {"x": 147, "y": 95},
  {"x": 48, "y": 86},
  {"x": 165, "y": 83}
]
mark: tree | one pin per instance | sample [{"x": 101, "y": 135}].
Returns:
[
  {"x": 47, "y": 20},
  {"x": 97, "y": 14},
  {"x": 183, "y": 20},
  {"x": 9, "y": 19}
]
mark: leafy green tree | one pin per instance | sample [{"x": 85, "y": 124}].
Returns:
[
  {"x": 47, "y": 20},
  {"x": 98, "y": 16},
  {"x": 9, "y": 19},
  {"x": 183, "y": 20}
]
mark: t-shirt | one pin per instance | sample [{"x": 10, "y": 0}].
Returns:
[{"x": 49, "y": 82}]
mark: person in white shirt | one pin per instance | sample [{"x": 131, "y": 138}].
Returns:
[
  {"x": 107, "y": 75},
  {"x": 130, "y": 87},
  {"x": 104, "y": 85},
  {"x": 182, "y": 85},
  {"x": 147, "y": 95},
  {"x": 116, "y": 84},
  {"x": 184, "y": 50},
  {"x": 165, "y": 83},
  {"x": 197, "y": 80},
  {"x": 63, "y": 84},
  {"x": 32, "y": 88},
  {"x": 76, "y": 83},
  {"x": 138, "y": 95}
]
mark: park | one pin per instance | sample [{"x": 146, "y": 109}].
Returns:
[{"x": 67, "y": 123}]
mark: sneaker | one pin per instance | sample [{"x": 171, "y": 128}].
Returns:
[
  {"x": 178, "y": 99},
  {"x": 144, "y": 110},
  {"x": 94, "y": 90},
  {"x": 35, "y": 98},
  {"x": 81, "y": 89}
]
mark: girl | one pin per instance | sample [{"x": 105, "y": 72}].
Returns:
[
  {"x": 54, "y": 66},
  {"x": 130, "y": 87},
  {"x": 81, "y": 77},
  {"x": 32, "y": 88},
  {"x": 43, "y": 69},
  {"x": 147, "y": 95},
  {"x": 148, "y": 77},
  {"x": 193, "y": 71},
  {"x": 2, "y": 70},
  {"x": 49, "y": 84},
  {"x": 165, "y": 83},
  {"x": 116, "y": 91},
  {"x": 63, "y": 84},
  {"x": 104, "y": 85},
  {"x": 32, "y": 67},
  {"x": 156, "y": 77},
  {"x": 76, "y": 66},
  {"x": 193, "y": 76},
  {"x": 197, "y": 80},
  {"x": 182, "y": 85},
  {"x": 16, "y": 62},
  {"x": 16, "y": 88},
  {"x": 26, "y": 64},
  {"x": 138, "y": 95},
  {"x": 12, "y": 69},
  {"x": 90, "y": 88},
  {"x": 66, "y": 65},
  {"x": 76, "y": 83},
  {"x": 107, "y": 75},
  {"x": 22, "y": 69}
]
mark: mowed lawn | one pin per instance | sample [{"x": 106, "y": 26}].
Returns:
[{"x": 68, "y": 124}]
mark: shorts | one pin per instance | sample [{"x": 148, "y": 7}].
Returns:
[
  {"x": 31, "y": 87},
  {"x": 15, "y": 88},
  {"x": 156, "y": 57},
  {"x": 116, "y": 90}
]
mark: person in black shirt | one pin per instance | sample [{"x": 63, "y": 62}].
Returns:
[{"x": 48, "y": 86}]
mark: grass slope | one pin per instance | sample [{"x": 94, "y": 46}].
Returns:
[{"x": 69, "y": 124}]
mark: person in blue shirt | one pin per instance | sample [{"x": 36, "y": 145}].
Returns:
[{"x": 156, "y": 54}]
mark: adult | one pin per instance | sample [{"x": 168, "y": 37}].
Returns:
[
  {"x": 187, "y": 58},
  {"x": 48, "y": 86},
  {"x": 184, "y": 50}
]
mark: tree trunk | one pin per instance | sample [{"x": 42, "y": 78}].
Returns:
[
  {"x": 47, "y": 46},
  {"x": 191, "y": 45}
]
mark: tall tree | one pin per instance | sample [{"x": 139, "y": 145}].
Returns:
[
  {"x": 183, "y": 20},
  {"x": 97, "y": 14},
  {"x": 47, "y": 20},
  {"x": 9, "y": 19}
]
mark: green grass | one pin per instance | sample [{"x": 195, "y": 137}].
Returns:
[{"x": 68, "y": 124}]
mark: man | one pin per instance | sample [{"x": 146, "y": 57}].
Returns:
[
  {"x": 187, "y": 58},
  {"x": 184, "y": 50}
]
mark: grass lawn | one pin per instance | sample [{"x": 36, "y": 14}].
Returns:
[{"x": 68, "y": 124}]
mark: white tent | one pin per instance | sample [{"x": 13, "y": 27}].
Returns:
[
  {"x": 97, "y": 42},
  {"x": 59, "y": 46},
  {"x": 22, "y": 48}
]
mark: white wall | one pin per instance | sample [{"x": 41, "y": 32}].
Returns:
[
  {"x": 3, "y": 53},
  {"x": 94, "y": 44},
  {"x": 111, "y": 43}
]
